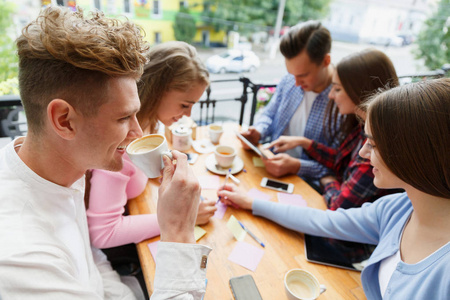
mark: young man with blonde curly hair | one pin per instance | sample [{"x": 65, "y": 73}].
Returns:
[{"x": 77, "y": 79}]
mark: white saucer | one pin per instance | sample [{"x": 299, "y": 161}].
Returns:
[
  {"x": 203, "y": 146},
  {"x": 236, "y": 167}
]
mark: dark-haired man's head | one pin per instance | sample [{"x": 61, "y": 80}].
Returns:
[{"x": 306, "y": 48}]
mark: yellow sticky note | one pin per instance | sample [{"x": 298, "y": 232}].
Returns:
[
  {"x": 257, "y": 161},
  {"x": 236, "y": 229},
  {"x": 198, "y": 232}
]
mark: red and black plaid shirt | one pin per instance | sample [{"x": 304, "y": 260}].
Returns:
[{"x": 354, "y": 185}]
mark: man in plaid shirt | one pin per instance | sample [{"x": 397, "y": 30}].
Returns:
[{"x": 299, "y": 104}]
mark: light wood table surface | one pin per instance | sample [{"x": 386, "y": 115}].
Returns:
[{"x": 284, "y": 248}]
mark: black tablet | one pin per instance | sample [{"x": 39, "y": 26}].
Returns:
[{"x": 337, "y": 253}]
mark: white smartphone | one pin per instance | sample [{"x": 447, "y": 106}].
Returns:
[{"x": 277, "y": 185}]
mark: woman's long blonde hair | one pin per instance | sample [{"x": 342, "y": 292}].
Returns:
[{"x": 172, "y": 66}]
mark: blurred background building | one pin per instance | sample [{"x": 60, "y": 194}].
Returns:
[
  {"x": 413, "y": 33},
  {"x": 368, "y": 21},
  {"x": 385, "y": 22}
]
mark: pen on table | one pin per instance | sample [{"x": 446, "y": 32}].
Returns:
[
  {"x": 237, "y": 181},
  {"x": 225, "y": 182},
  {"x": 251, "y": 234}
]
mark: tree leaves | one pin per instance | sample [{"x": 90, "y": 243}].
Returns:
[
  {"x": 261, "y": 15},
  {"x": 434, "y": 39}
]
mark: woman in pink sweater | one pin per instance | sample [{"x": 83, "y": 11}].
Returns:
[{"x": 173, "y": 81}]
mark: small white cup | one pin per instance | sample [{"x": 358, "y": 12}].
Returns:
[
  {"x": 224, "y": 155},
  {"x": 147, "y": 152},
  {"x": 302, "y": 285},
  {"x": 215, "y": 132}
]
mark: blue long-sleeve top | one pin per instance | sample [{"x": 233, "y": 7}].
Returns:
[{"x": 380, "y": 223}]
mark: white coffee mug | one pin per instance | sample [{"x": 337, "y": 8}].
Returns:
[
  {"x": 302, "y": 285},
  {"x": 215, "y": 132},
  {"x": 147, "y": 152},
  {"x": 224, "y": 155}
]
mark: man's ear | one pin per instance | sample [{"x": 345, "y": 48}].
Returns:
[
  {"x": 61, "y": 116},
  {"x": 327, "y": 60}
]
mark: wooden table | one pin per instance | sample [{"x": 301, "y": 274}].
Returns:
[{"x": 284, "y": 248}]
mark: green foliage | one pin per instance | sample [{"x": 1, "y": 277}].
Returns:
[
  {"x": 184, "y": 26},
  {"x": 434, "y": 39},
  {"x": 9, "y": 87},
  {"x": 8, "y": 56},
  {"x": 304, "y": 10},
  {"x": 260, "y": 15}
]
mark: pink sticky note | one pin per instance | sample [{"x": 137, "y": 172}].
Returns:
[
  {"x": 257, "y": 194},
  {"x": 291, "y": 199},
  {"x": 221, "y": 209},
  {"x": 209, "y": 182},
  {"x": 153, "y": 248},
  {"x": 246, "y": 255}
]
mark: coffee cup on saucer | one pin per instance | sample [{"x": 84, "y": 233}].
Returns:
[
  {"x": 225, "y": 155},
  {"x": 147, "y": 152}
]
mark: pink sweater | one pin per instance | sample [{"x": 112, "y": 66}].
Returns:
[{"x": 110, "y": 191}]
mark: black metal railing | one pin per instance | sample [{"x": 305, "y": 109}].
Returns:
[{"x": 208, "y": 105}]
